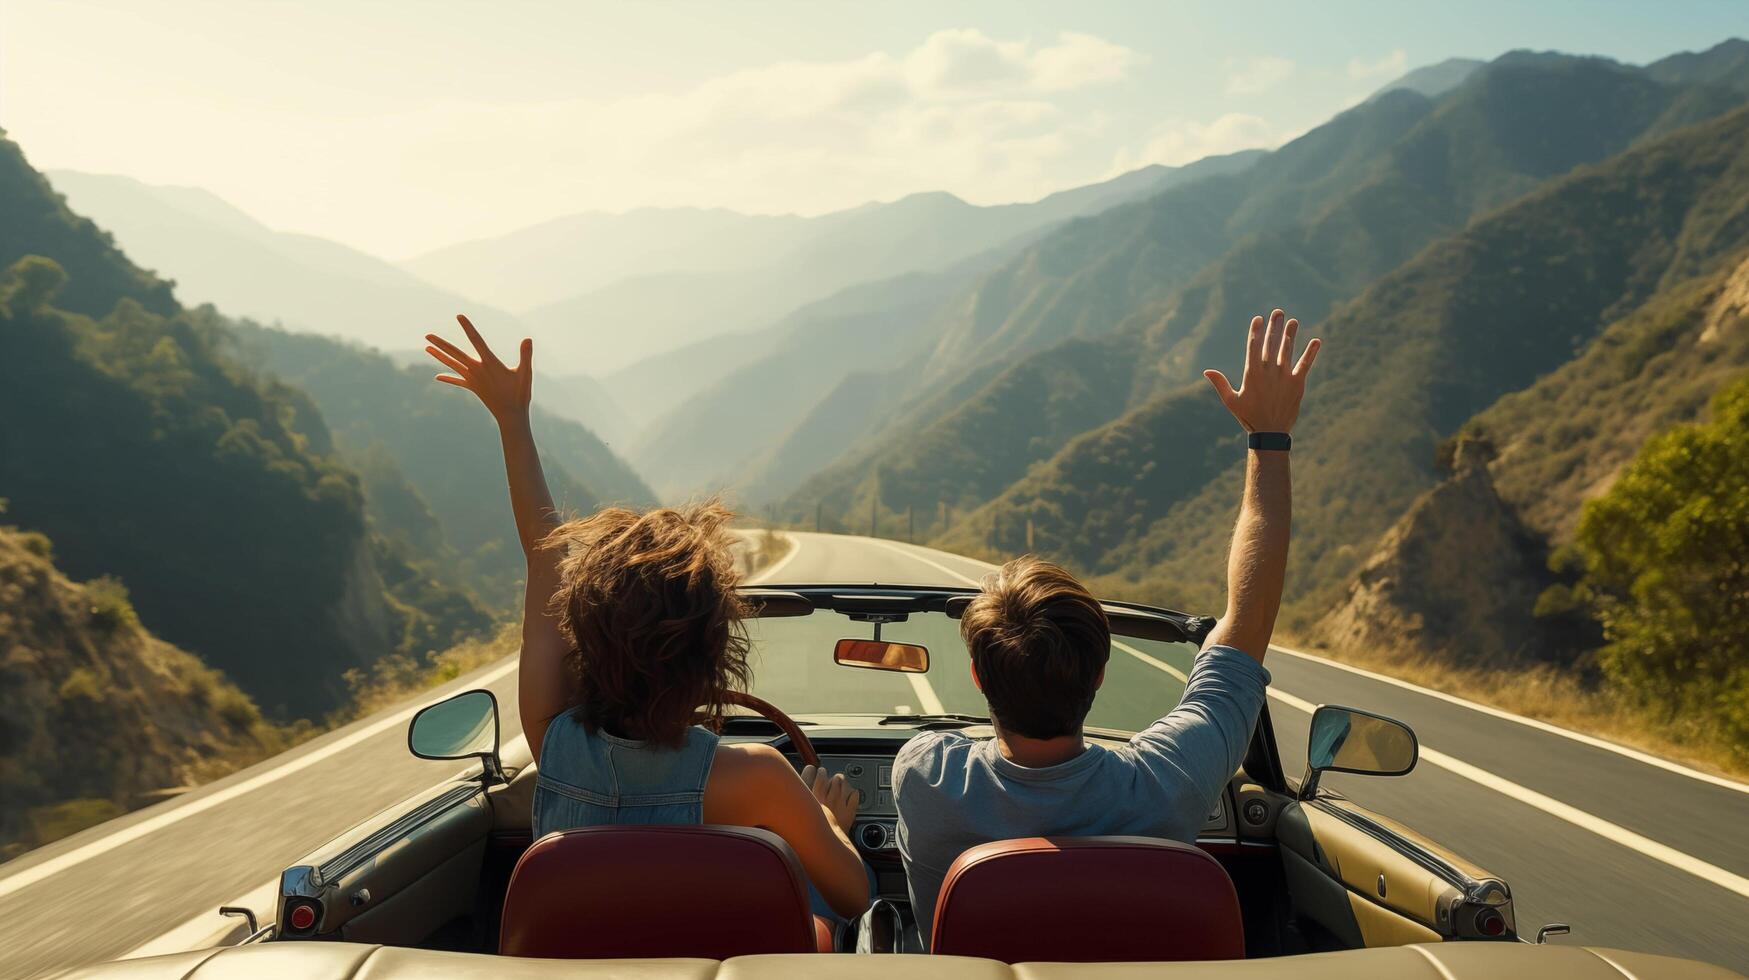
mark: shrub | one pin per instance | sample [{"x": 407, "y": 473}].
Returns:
[{"x": 110, "y": 609}]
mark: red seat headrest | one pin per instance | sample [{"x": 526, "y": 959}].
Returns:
[
  {"x": 686, "y": 891},
  {"x": 1088, "y": 899}
]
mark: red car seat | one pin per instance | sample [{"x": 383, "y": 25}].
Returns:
[
  {"x": 1088, "y": 899},
  {"x": 688, "y": 891}
]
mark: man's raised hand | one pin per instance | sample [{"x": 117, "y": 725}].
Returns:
[
  {"x": 504, "y": 390},
  {"x": 1268, "y": 399}
]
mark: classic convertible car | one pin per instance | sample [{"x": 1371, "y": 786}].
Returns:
[{"x": 1287, "y": 878}]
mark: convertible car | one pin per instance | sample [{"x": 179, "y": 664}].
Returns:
[{"x": 1286, "y": 879}]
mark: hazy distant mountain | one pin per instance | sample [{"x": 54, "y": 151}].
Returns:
[
  {"x": 686, "y": 276},
  {"x": 580, "y": 253},
  {"x": 1436, "y": 79},
  {"x": 217, "y": 254}
]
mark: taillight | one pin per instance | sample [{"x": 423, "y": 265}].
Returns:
[
  {"x": 302, "y": 917},
  {"x": 1489, "y": 922}
]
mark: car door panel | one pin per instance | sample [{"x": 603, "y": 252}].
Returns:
[
  {"x": 1371, "y": 882},
  {"x": 399, "y": 876}
]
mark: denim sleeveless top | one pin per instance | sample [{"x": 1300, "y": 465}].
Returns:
[{"x": 590, "y": 779}]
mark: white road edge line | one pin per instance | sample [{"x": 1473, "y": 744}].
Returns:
[
  {"x": 103, "y": 845},
  {"x": 1543, "y": 726},
  {"x": 1152, "y": 661},
  {"x": 938, "y": 566},
  {"x": 1613, "y": 833}
]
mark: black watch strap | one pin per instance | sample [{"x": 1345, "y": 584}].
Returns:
[{"x": 1279, "y": 442}]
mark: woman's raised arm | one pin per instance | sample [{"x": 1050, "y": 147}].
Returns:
[{"x": 505, "y": 391}]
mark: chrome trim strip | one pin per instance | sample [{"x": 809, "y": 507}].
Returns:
[
  {"x": 1473, "y": 889},
  {"x": 341, "y": 864}
]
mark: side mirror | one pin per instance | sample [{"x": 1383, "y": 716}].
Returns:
[
  {"x": 906, "y": 658},
  {"x": 464, "y": 726},
  {"x": 1352, "y": 740}
]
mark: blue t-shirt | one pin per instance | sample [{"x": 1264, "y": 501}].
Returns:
[{"x": 954, "y": 793}]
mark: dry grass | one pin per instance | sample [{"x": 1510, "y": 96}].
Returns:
[
  {"x": 763, "y": 549},
  {"x": 1560, "y": 697},
  {"x": 396, "y": 679}
]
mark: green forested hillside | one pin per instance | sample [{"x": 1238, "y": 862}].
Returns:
[
  {"x": 34, "y": 221},
  {"x": 145, "y": 452},
  {"x": 1343, "y": 205},
  {"x": 1476, "y": 316},
  {"x": 1463, "y": 577},
  {"x": 430, "y": 458},
  {"x": 78, "y": 670}
]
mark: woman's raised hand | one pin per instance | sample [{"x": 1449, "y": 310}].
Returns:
[{"x": 504, "y": 390}]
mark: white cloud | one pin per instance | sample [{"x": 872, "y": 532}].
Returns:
[
  {"x": 1184, "y": 141},
  {"x": 960, "y": 111},
  {"x": 1389, "y": 66},
  {"x": 1250, "y": 76}
]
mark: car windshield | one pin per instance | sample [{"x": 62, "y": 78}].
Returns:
[{"x": 793, "y": 669}]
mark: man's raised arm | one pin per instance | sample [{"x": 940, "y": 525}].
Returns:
[{"x": 1267, "y": 403}]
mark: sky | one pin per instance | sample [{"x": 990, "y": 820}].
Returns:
[{"x": 400, "y": 127}]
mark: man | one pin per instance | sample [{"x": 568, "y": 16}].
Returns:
[{"x": 1039, "y": 644}]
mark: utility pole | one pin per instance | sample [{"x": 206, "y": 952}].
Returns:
[
  {"x": 819, "y": 511},
  {"x": 874, "y": 513},
  {"x": 911, "y": 523}
]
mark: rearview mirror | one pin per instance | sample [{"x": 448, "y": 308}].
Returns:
[
  {"x": 460, "y": 727},
  {"x": 906, "y": 658},
  {"x": 1352, "y": 740}
]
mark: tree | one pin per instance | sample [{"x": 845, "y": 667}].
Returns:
[{"x": 1666, "y": 567}]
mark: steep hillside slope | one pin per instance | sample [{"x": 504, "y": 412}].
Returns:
[
  {"x": 709, "y": 442},
  {"x": 446, "y": 449},
  {"x": 217, "y": 254},
  {"x": 146, "y": 453},
  {"x": 35, "y": 221},
  {"x": 96, "y": 712},
  {"x": 1443, "y": 583},
  {"x": 1478, "y": 315},
  {"x": 1342, "y": 205},
  {"x": 764, "y": 276}
]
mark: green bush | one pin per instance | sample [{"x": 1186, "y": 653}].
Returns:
[
  {"x": 1666, "y": 568},
  {"x": 51, "y": 823},
  {"x": 110, "y": 609},
  {"x": 82, "y": 685}
]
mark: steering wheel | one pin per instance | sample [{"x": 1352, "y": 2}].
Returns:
[{"x": 770, "y": 712}]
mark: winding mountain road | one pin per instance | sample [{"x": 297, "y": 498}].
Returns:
[{"x": 1632, "y": 851}]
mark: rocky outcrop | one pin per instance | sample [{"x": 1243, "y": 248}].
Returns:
[
  {"x": 1456, "y": 579},
  {"x": 96, "y": 714}
]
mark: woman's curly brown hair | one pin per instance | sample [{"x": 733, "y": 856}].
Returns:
[{"x": 648, "y": 602}]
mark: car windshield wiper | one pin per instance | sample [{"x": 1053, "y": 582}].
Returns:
[{"x": 943, "y": 720}]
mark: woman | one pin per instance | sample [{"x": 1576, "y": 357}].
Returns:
[{"x": 630, "y": 625}]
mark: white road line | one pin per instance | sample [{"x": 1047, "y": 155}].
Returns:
[
  {"x": 103, "y": 845},
  {"x": 1151, "y": 661},
  {"x": 1542, "y": 726},
  {"x": 925, "y": 694},
  {"x": 1613, "y": 833},
  {"x": 938, "y": 566}
]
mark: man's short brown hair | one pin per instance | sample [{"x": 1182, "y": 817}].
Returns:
[{"x": 1039, "y": 641}]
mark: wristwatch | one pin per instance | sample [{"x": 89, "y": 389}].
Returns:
[{"x": 1279, "y": 442}]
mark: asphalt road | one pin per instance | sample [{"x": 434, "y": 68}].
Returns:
[{"x": 1630, "y": 853}]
